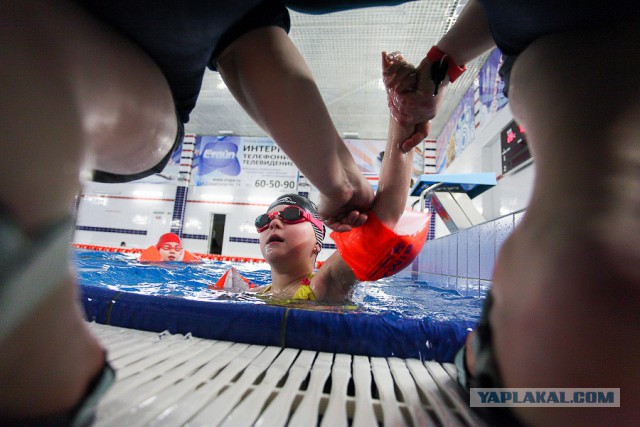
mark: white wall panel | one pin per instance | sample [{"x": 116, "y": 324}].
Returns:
[{"x": 513, "y": 191}]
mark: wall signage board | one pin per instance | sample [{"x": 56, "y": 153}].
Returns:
[
  {"x": 515, "y": 150},
  {"x": 243, "y": 162}
]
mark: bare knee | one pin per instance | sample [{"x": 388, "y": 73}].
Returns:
[
  {"x": 560, "y": 319},
  {"x": 126, "y": 106},
  {"x": 119, "y": 96}
]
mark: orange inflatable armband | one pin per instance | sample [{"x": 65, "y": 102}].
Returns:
[
  {"x": 189, "y": 257},
  {"x": 151, "y": 254},
  {"x": 374, "y": 251}
]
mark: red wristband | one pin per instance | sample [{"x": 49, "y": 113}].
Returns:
[{"x": 454, "y": 71}]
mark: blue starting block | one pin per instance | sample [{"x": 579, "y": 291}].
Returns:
[{"x": 450, "y": 196}]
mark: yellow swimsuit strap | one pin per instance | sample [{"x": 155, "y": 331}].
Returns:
[{"x": 304, "y": 292}]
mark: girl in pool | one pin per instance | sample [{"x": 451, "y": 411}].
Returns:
[{"x": 291, "y": 234}]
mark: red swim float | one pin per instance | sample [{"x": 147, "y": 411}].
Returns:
[{"x": 374, "y": 251}]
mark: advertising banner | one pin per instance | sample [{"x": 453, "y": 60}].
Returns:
[
  {"x": 257, "y": 165},
  {"x": 243, "y": 162},
  {"x": 490, "y": 89},
  {"x": 457, "y": 133}
]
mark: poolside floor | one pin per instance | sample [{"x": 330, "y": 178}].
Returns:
[{"x": 174, "y": 380}]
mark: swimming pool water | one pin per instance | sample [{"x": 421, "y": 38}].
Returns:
[{"x": 394, "y": 297}]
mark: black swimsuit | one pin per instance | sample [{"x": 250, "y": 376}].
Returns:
[{"x": 516, "y": 24}]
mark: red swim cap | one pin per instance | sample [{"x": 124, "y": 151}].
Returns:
[{"x": 168, "y": 238}]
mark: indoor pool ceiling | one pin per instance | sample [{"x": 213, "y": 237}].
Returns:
[{"x": 343, "y": 52}]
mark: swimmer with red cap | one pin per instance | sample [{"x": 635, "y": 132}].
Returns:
[{"x": 168, "y": 248}]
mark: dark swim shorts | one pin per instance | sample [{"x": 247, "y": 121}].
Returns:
[
  {"x": 487, "y": 372},
  {"x": 517, "y": 24},
  {"x": 183, "y": 38}
]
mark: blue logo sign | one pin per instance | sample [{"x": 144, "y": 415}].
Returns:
[{"x": 220, "y": 156}]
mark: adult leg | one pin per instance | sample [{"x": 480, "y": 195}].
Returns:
[
  {"x": 567, "y": 282},
  {"x": 75, "y": 96}
]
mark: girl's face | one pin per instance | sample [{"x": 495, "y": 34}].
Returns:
[
  {"x": 171, "y": 251},
  {"x": 282, "y": 242}
]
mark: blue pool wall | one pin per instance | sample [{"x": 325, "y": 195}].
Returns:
[
  {"x": 351, "y": 333},
  {"x": 463, "y": 261}
]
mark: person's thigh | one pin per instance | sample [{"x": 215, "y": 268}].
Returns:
[
  {"x": 567, "y": 282},
  {"x": 74, "y": 93},
  {"x": 125, "y": 104}
]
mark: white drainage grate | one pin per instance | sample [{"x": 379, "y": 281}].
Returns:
[{"x": 173, "y": 380}]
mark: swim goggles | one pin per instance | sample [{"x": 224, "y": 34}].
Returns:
[
  {"x": 289, "y": 215},
  {"x": 167, "y": 247}
]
